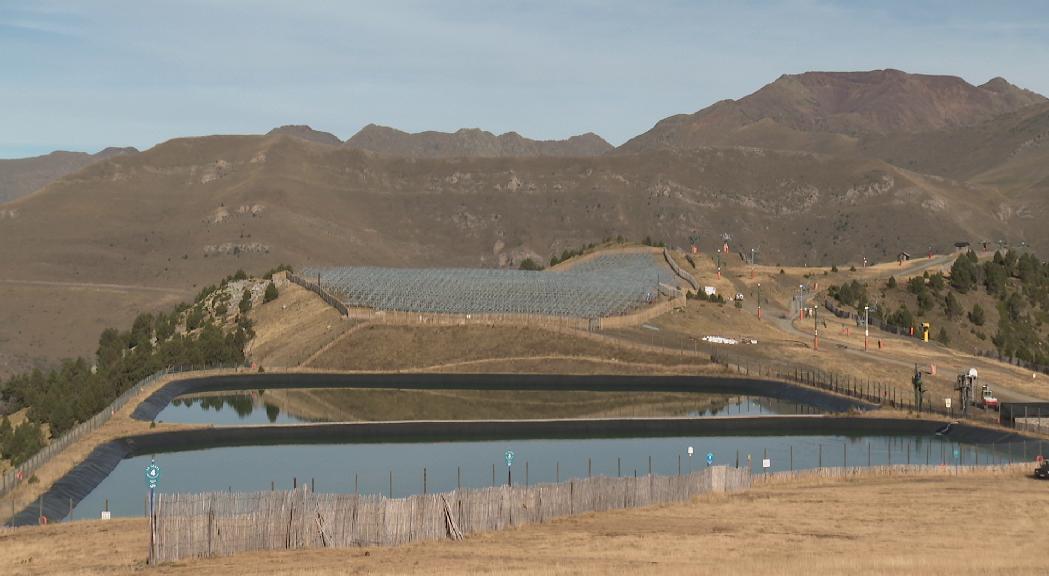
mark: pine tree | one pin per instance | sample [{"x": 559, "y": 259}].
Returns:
[
  {"x": 271, "y": 293},
  {"x": 977, "y": 315}
]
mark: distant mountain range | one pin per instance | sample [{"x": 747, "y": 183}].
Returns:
[
  {"x": 814, "y": 168},
  {"x": 21, "y": 176}
]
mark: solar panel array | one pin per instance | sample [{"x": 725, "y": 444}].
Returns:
[{"x": 607, "y": 285}]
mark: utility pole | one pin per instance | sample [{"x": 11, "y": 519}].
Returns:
[
  {"x": 801, "y": 302},
  {"x": 816, "y": 328},
  {"x": 866, "y": 325},
  {"x": 759, "y": 300}
]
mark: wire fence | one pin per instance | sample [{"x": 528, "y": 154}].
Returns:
[
  {"x": 865, "y": 389},
  {"x": 25, "y": 471}
]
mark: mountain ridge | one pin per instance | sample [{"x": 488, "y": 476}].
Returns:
[
  {"x": 471, "y": 142},
  {"x": 22, "y": 176},
  {"x": 845, "y": 105}
]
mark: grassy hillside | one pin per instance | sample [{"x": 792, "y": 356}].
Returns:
[
  {"x": 214, "y": 329},
  {"x": 998, "y": 305}
]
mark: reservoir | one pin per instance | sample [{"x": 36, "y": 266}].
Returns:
[
  {"x": 296, "y": 405},
  {"x": 369, "y": 467},
  {"x": 406, "y": 434}
]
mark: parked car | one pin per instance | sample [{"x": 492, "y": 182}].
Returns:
[{"x": 1042, "y": 471}]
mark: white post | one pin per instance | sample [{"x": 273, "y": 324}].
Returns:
[{"x": 866, "y": 325}]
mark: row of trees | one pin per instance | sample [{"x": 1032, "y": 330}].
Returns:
[
  {"x": 78, "y": 389},
  {"x": 18, "y": 444},
  {"x": 1019, "y": 284}
]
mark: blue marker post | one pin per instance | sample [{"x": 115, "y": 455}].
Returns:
[
  {"x": 152, "y": 479},
  {"x": 710, "y": 459},
  {"x": 509, "y": 455}
]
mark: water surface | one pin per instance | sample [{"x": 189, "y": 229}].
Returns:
[
  {"x": 284, "y": 406},
  {"x": 367, "y": 467}
]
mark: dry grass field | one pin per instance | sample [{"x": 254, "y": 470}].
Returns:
[
  {"x": 839, "y": 351},
  {"x": 294, "y": 327},
  {"x": 973, "y": 524},
  {"x": 379, "y": 347},
  {"x": 41, "y": 320}
]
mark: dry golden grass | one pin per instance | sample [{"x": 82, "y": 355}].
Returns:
[
  {"x": 56, "y": 320},
  {"x": 291, "y": 328},
  {"x": 973, "y": 524},
  {"x": 839, "y": 351},
  {"x": 388, "y": 347}
]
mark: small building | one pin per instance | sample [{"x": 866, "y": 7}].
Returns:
[{"x": 902, "y": 256}]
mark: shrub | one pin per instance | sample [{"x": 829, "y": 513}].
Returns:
[
  {"x": 942, "y": 337},
  {"x": 245, "y": 302},
  {"x": 951, "y": 306},
  {"x": 937, "y": 282},
  {"x": 977, "y": 315},
  {"x": 271, "y": 293},
  {"x": 194, "y": 318},
  {"x": 529, "y": 264}
]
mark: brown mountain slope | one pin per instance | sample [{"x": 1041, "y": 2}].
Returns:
[
  {"x": 190, "y": 211},
  {"x": 967, "y": 152},
  {"x": 22, "y": 176},
  {"x": 1009, "y": 153},
  {"x": 304, "y": 132},
  {"x": 826, "y": 110},
  {"x": 472, "y": 142}
]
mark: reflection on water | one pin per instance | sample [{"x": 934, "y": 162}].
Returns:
[
  {"x": 348, "y": 405},
  {"x": 246, "y": 408},
  {"x": 369, "y": 468}
]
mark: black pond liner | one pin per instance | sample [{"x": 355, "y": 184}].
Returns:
[{"x": 87, "y": 475}]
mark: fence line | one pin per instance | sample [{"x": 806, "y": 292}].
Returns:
[
  {"x": 23, "y": 472},
  {"x": 680, "y": 272},
  {"x": 894, "y": 470},
  {"x": 864, "y": 389},
  {"x": 324, "y": 294},
  {"x": 224, "y": 523}
]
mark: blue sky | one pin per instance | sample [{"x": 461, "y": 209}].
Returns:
[{"x": 85, "y": 75}]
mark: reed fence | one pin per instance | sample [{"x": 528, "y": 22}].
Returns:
[
  {"x": 224, "y": 523},
  {"x": 889, "y": 471}
]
